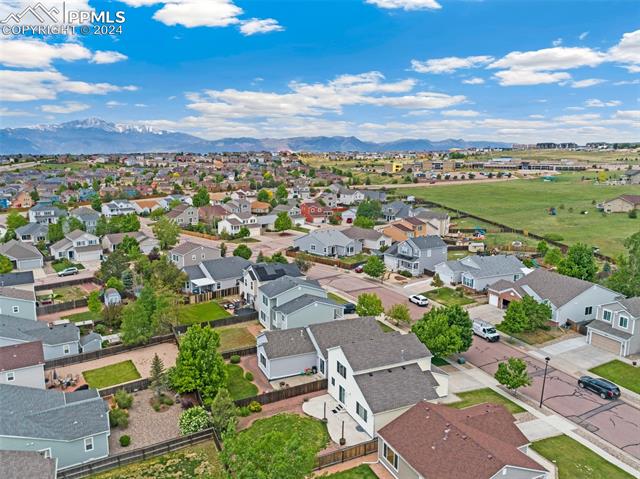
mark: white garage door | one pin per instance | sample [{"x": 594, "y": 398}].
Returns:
[
  {"x": 493, "y": 299},
  {"x": 607, "y": 344}
]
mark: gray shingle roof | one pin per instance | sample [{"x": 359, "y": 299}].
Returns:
[
  {"x": 16, "y": 279},
  {"x": 49, "y": 414},
  {"x": 632, "y": 305},
  {"x": 302, "y": 302},
  {"x": 26, "y": 464},
  {"x": 488, "y": 266},
  {"x": 188, "y": 247},
  {"x": 19, "y": 251},
  {"x": 358, "y": 233},
  {"x": 32, "y": 229},
  {"x": 225, "y": 268},
  {"x": 392, "y": 348},
  {"x": 27, "y": 330},
  {"x": 287, "y": 342},
  {"x": 335, "y": 333},
  {"x": 431, "y": 241},
  {"x": 17, "y": 293},
  {"x": 607, "y": 328},
  {"x": 398, "y": 387},
  {"x": 285, "y": 283},
  {"x": 328, "y": 237}
]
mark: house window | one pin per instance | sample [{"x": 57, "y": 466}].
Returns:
[
  {"x": 313, "y": 247},
  {"x": 66, "y": 349},
  {"x": 322, "y": 366},
  {"x": 606, "y": 315},
  {"x": 390, "y": 456},
  {"x": 11, "y": 376},
  {"x": 361, "y": 411},
  {"x": 588, "y": 311},
  {"x": 263, "y": 317},
  {"x": 623, "y": 322},
  {"x": 46, "y": 453},
  {"x": 333, "y": 381},
  {"x": 342, "y": 371},
  {"x": 341, "y": 394},
  {"x": 467, "y": 281},
  {"x": 16, "y": 309},
  {"x": 263, "y": 360},
  {"x": 265, "y": 300},
  {"x": 88, "y": 444}
]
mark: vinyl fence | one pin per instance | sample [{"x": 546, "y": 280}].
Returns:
[
  {"x": 56, "y": 308},
  {"x": 346, "y": 454},
  {"x": 282, "y": 394}
]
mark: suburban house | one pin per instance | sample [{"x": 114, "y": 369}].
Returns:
[
  {"x": 78, "y": 246},
  {"x": 234, "y": 222},
  {"x": 111, "y": 297},
  {"x": 71, "y": 427},
  {"x": 22, "y": 365},
  {"x": 215, "y": 275},
  {"x": 210, "y": 214},
  {"x": 111, "y": 241},
  {"x": 328, "y": 242},
  {"x": 118, "y": 208},
  {"x": 622, "y": 204},
  {"x": 190, "y": 254},
  {"x": 349, "y": 216},
  {"x": 23, "y": 256},
  {"x": 18, "y": 303},
  {"x": 401, "y": 230},
  {"x": 478, "y": 272},
  {"x": 145, "y": 207},
  {"x": 617, "y": 327},
  {"x": 46, "y": 213},
  {"x": 569, "y": 298},
  {"x": 17, "y": 464},
  {"x": 437, "y": 223},
  {"x": 416, "y": 255},
  {"x": 88, "y": 216},
  {"x": 290, "y": 302},
  {"x": 32, "y": 233},
  {"x": 632, "y": 177},
  {"x": 396, "y": 210},
  {"x": 345, "y": 196},
  {"x": 433, "y": 440},
  {"x": 169, "y": 199},
  {"x": 260, "y": 208},
  {"x": 18, "y": 279},
  {"x": 256, "y": 275},
  {"x": 314, "y": 213},
  {"x": 238, "y": 206},
  {"x": 371, "y": 240},
  {"x": 183, "y": 215}
]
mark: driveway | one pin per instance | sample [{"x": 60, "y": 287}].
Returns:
[
  {"x": 614, "y": 421},
  {"x": 487, "y": 313},
  {"x": 577, "y": 356}
]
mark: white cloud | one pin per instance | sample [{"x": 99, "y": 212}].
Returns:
[
  {"x": 587, "y": 82},
  {"x": 449, "y": 64},
  {"x": 114, "y": 104},
  {"x": 536, "y": 117},
  {"x": 65, "y": 107},
  {"x": 595, "y": 103},
  {"x": 4, "y": 112},
  {"x": 557, "y": 42},
  {"x": 193, "y": 13},
  {"x": 257, "y": 25},
  {"x": 628, "y": 114},
  {"x": 627, "y": 51},
  {"x": 406, "y": 4},
  {"x": 141, "y": 105},
  {"x": 583, "y": 35},
  {"x": 549, "y": 59},
  {"x": 463, "y": 113},
  {"x": 32, "y": 53},
  {"x": 529, "y": 77},
  {"x": 628, "y": 82},
  {"x": 473, "y": 81},
  {"x": 101, "y": 57}
]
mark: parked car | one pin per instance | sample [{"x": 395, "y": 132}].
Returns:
[
  {"x": 349, "y": 308},
  {"x": 419, "y": 300},
  {"x": 359, "y": 269},
  {"x": 68, "y": 271},
  {"x": 485, "y": 331},
  {"x": 605, "y": 389}
]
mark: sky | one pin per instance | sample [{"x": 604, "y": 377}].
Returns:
[{"x": 504, "y": 70}]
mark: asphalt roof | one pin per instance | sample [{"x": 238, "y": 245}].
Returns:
[
  {"x": 355, "y": 232},
  {"x": 287, "y": 342},
  {"x": 16, "y": 250},
  {"x": 16, "y": 356},
  {"x": 16, "y": 279},
  {"x": 285, "y": 283},
  {"x": 31, "y": 229},
  {"x": 390, "y": 349},
  {"x": 328, "y": 237},
  {"x": 27, "y": 330},
  {"x": 17, "y": 293},
  {"x": 303, "y": 301},
  {"x": 607, "y": 328},
  {"x": 487, "y": 266},
  {"x": 188, "y": 247},
  {"x": 336, "y": 333},
  {"x": 50, "y": 414},
  {"x": 26, "y": 464},
  {"x": 632, "y": 305},
  {"x": 225, "y": 268}
]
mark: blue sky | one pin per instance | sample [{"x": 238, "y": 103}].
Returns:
[{"x": 511, "y": 70}]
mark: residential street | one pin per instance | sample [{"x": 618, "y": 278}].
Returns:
[{"x": 616, "y": 422}]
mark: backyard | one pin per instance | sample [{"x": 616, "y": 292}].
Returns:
[
  {"x": 621, "y": 373},
  {"x": 239, "y": 387},
  {"x": 448, "y": 297},
  {"x": 201, "y": 312},
  {"x": 524, "y": 204},
  {"x": 111, "y": 375},
  {"x": 234, "y": 337},
  {"x": 484, "y": 395},
  {"x": 311, "y": 431},
  {"x": 84, "y": 316},
  {"x": 575, "y": 460},
  {"x": 363, "y": 471}
]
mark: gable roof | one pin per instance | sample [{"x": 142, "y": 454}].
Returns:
[
  {"x": 487, "y": 266},
  {"x": 631, "y": 199},
  {"x": 16, "y": 279},
  {"x": 632, "y": 305},
  {"x": 17, "y": 293},
  {"x": 447, "y": 443},
  {"x": 335, "y": 333},
  {"x": 357, "y": 233},
  {"x": 19, "y": 251},
  {"x": 271, "y": 271},
  {"x": 223, "y": 268},
  {"x": 187, "y": 247},
  {"x": 18, "y": 464},
  {"x": 27, "y": 330},
  {"x": 287, "y": 342},
  {"x": 285, "y": 283},
  {"x": 328, "y": 237},
  {"x": 387, "y": 350},
  {"x": 16, "y": 356},
  {"x": 32, "y": 229},
  {"x": 302, "y": 302}
]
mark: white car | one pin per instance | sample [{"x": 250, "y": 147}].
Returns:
[{"x": 419, "y": 300}]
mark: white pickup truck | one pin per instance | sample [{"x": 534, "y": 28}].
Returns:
[{"x": 485, "y": 330}]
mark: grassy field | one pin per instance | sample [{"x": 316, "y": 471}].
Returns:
[
  {"x": 524, "y": 204},
  {"x": 84, "y": 316},
  {"x": 234, "y": 337},
  {"x": 623, "y": 374},
  {"x": 197, "y": 313},
  {"x": 480, "y": 396},
  {"x": 111, "y": 375},
  {"x": 356, "y": 258},
  {"x": 575, "y": 460},
  {"x": 363, "y": 471},
  {"x": 448, "y": 297},
  {"x": 198, "y": 462},
  {"x": 238, "y": 386},
  {"x": 336, "y": 298}
]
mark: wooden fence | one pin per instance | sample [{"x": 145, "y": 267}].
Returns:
[
  {"x": 129, "y": 387},
  {"x": 101, "y": 353},
  {"x": 346, "y": 454},
  {"x": 239, "y": 352},
  {"x": 197, "y": 234},
  {"x": 67, "y": 282},
  {"x": 292, "y": 253},
  {"x": 217, "y": 323},
  {"x": 282, "y": 394},
  {"x": 56, "y": 308},
  {"x": 211, "y": 295},
  {"x": 140, "y": 454}
]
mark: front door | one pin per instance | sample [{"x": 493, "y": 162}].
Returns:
[{"x": 341, "y": 394}]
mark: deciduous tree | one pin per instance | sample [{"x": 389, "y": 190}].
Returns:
[
  {"x": 369, "y": 304},
  {"x": 626, "y": 278},
  {"x": 513, "y": 374},
  {"x": 201, "y": 198},
  {"x": 399, "y": 313},
  {"x": 525, "y": 315},
  {"x": 374, "y": 267},
  {"x": 6, "y": 266},
  {"x": 167, "y": 232},
  {"x": 283, "y": 221},
  {"x": 242, "y": 251},
  {"x": 579, "y": 263}
]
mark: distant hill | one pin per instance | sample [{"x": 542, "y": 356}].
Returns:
[{"x": 97, "y": 136}]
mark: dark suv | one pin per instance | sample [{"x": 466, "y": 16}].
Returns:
[{"x": 606, "y": 389}]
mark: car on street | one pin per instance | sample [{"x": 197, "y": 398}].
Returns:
[
  {"x": 359, "y": 269},
  {"x": 68, "y": 271},
  {"x": 419, "y": 300},
  {"x": 349, "y": 308},
  {"x": 605, "y": 389}
]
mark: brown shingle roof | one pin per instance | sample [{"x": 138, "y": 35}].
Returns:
[{"x": 21, "y": 355}]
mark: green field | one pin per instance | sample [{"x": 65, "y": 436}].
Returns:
[
  {"x": 621, "y": 373},
  {"x": 524, "y": 203},
  {"x": 336, "y": 298},
  {"x": 84, "y": 316},
  {"x": 111, "y": 375},
  {"x": 200, "y": 312},
  {"x": 448, "y": 297},
  {"x": 238, "y": 386}
]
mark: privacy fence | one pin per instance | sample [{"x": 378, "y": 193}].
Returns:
[
  {"x": 293, "y": 253},
  {"x": 217, "y": 323},
  {"x": 66, "y": 306},
  {"x": 282, "y": 394},
  {"x": 346, "y": 454},
  {"x": 66, "y": 282},
  {"x": 211, "y": 295}
]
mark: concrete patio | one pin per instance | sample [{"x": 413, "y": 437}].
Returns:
[
  {"x": 294, "y": 380},
  {"x": 353, "y": 433}
]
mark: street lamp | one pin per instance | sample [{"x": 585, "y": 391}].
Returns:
[{"x": 544, "y": 378}]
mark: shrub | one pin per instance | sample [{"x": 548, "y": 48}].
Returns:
[
  {"x": 554, "y": 237},
  {"x": 101, "y": 329},
  {"x": 125, "y": 440},
  {"x": 633, "y": 214},
  {"x": 193, "y": 420},
  {"x": 248, "y": 376},
  {"x": 166, "y": 400},
  {"x": 119, "y": 418},
  {"x": 406, "y": 274},
  {"x": 123, "y": 399},
  {"x": 243, "y": 411},
  {"x": 235, "y": 359},
  {"x": 255, "y": 406},
  {"x": 436, "y": 281}
]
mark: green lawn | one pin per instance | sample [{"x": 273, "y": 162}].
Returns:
[
  {"x": 448, "y": 297},
  {"x": 621, "y": 373},
  {"x": 84, "y": 316},
  {"x": 301, "y": 229},
  {"x": 69, "y": 293},
  {"x": 363, "y": 471},
  {"x": 312, "y": 431},
  {"x": 336, "y": 298},
  {"x": 238, "y": 386},
  {"x": 454, "y": 255},
  {"x": 356, "y": 258},
  {"x": 234, "y": 337},
  {"x": 200, "y": 312},
  {"x": 539, "y": 336},
  {"x": 106, "y": 376},
  {"x": 199, "y": 462},
  {"x": 574, "y": 460},
  {"x": 484, "y": 395},
  {"x": 60, "y": 264},
  {"x": 524, "y": 203}
]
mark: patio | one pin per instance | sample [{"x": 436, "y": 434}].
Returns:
[
  {"x": 293, "y": 380},
  {"x": 336, "y": 416}
]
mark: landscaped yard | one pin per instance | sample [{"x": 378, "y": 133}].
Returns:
[
  {"x": 111, "y": 375},
  {"x": 448, "y": 297},
  {"x": 484, "y": 395},
  {"x": 68, "y": 293},
  {"x": 454, "y": 255},
  {"x": 363, "y": 471},
  {"x": 336, "y": 298},
  {"x": 356, "y": 258},
  {"x": 84, "y": 316},
  {"x": 312, "y": 431},
  {"x": 60, "y": 264},
  {"x": 538, "y": 336},
  {"x": 234, "y": 337},
  {"x": 199, "y": 462},
  {"x": 200, "y": 312},
  {"x": 621, "y": 373},
  {"x": 575, "y": 460},
  {"x": 238, "y": 386}
]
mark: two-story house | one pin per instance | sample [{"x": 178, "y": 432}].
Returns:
[
  {"x": 328, "y": 242},
  {"x": 617, "y": 327},
  {"x": 479, "y": 272},
  {"x": 234, "y": 222},
  {"x": 191, "y": 254},
  {"x": 46, "y": 213},
  {"x": 184, "y": 215},
  {"x": 118, "y": 208},
  {"x": 22, "y": 365},
  {"x": 401, "y": 230},
  {"x": 396, "y": 210},
  {"x": 32, "y": 233},
  {"x": 371, "y": 240},
  {"x": 88, "y": 216},
  {"x": 220, "y": 274},
  {"x": 238, "y": 206},
  {"x": 256, "y": 275},
  {"x": 314, "y": 213},
  {"x": 416, "y": 255},
  {"x": 78, "y": 246}
]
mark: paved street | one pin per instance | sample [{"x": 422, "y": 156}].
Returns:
[{"x": 614, "y": 421}]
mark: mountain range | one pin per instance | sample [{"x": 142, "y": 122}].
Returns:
[{"x": 95, "y": 136}]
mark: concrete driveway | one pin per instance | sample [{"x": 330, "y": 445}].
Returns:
[
  {"x": 578, "y": 356},
  {"x": 487, "y": 313}
]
